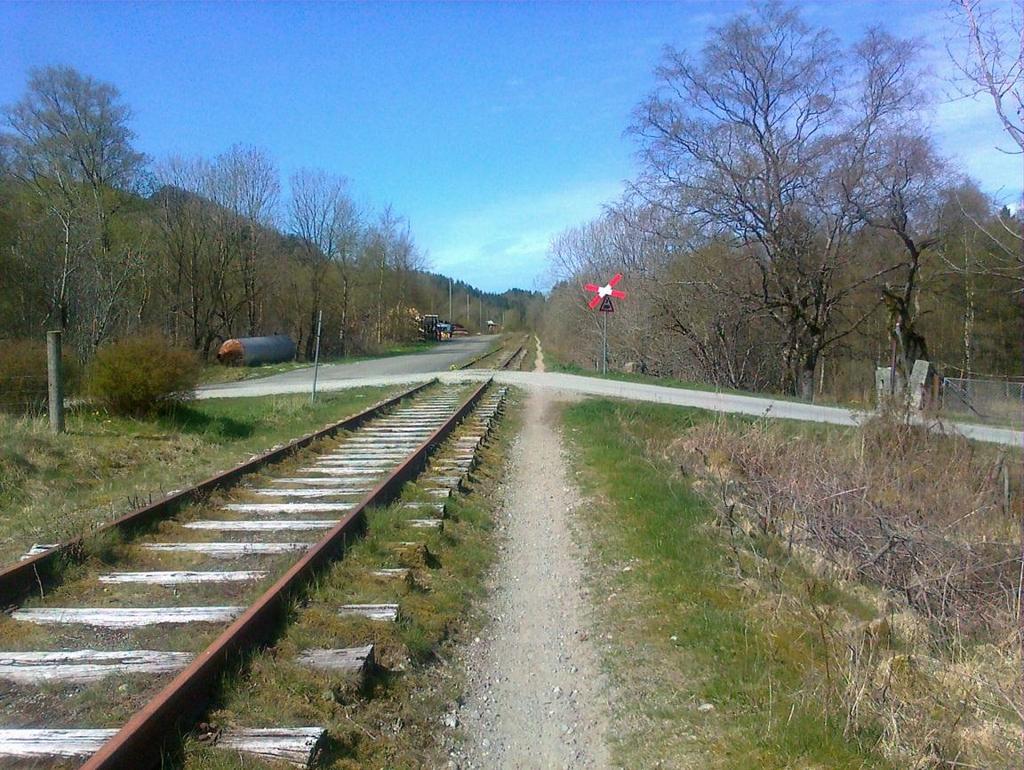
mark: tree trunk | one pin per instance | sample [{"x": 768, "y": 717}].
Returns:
[
  {"x": 805, "y": 375},
  {"x": 343, "y": 333}
]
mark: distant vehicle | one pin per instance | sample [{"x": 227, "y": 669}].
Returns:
[
  {"x": 429, "y": 328},
  {"x": 253, "y": 351}
]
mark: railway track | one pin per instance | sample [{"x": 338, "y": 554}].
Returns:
[
  {"x": 504, "y": 358},
  {"x": 113, "y": 665}
]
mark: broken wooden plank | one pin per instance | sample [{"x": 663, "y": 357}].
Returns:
[
  {"x": 295, "y": 745},
  {"x": 357, "y": 660},
  {"x": 392, "y": 573},
  {"x": 262, "y": 525},
  {"x": 39, "y": 548},
  {"x": 31, "y": 743},
  {"x": 451, "y": 482},
  {"x": 125, "y": 617},
  {"x": 425, "y": 506},
  {"x": 384, "y": 612},
  {"x": 178, "y": 577},
  {"x": 227, "y": 548},
  {"x": 86, "y": 665}
]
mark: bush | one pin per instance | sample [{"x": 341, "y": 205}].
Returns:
[
  {"x": 142, "y": 375},
  {"x": 23, "y": 381}
]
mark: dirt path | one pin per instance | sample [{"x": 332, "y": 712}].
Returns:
[
  {"x": 535, "y": 693},
  {"x": 538, "y": 364}
]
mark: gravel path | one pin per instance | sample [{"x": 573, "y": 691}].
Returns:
[
  {"x": 538, "y": 364},
  {"x": 576, "y": 385},
  {"x": 535, "y": 693}
]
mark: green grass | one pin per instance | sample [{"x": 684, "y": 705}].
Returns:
[
  {"x": 215, "y": 373},
  {"x": 53, "y": 487},
  {"x": 683, "y": 629}
]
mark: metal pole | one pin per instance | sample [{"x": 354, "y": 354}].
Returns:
[
  {"x": 316, "y": 355},
  {"x": 449, "y": 300},
  {"x": 604, "y": 343},
  {"x": 55, "y": 381}
]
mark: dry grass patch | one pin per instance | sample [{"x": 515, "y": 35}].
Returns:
[{"x": 900, "y": 551}]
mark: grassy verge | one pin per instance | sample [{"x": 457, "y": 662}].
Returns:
[
  {"x": 213, "y": 374},
  {"x": 54, "y": 487},
  {"x": 707, "y": 673},
  {"x": 529, "y": 361},
  {"x": 554, "y": 365},
  {"x": 394, "y": 718}
]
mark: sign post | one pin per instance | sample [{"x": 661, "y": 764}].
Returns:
[
  {"x": 316, "y": 355},
  {"x": 602, "y": 301}
]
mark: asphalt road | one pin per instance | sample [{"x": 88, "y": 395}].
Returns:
[
  {"x": 332, "y": 376},
  {"x": 578, "y": 385}
]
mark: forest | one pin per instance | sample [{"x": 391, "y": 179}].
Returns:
[
  {"x": 792, "y": 223},
  {"x": 102, "y": 242}
]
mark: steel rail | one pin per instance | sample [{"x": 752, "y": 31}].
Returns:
[
  {"x": 481, "y": 357},
  {"x": 34, "y": 573},
  {"x": 138, "y": 744},
  {"x": 512, "y": 357}
]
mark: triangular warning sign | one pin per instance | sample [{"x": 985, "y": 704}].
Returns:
[{"x": 606, "y": 306}]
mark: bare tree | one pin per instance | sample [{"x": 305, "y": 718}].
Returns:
[
  {"x": 325, "y": 219},
  {"x": 199, "y": 298},
  {"x": 70, "y": 143},
  {"x": 896, "y": 190},
  {"x": 246, "y": 183},
  {"x": 750, "y": 141},
  {"x": 988, "y": 51},
  {"x": 992, "y": 61}
]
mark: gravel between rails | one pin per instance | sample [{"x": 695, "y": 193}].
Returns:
[{"x": 535, "y": 693}]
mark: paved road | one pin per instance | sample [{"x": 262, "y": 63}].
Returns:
[
  {"x": 576, "y": 384},
  {"x": 333, "y": 376}
]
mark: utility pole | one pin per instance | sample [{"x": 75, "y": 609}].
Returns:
[
  {"x": 449, "y": 300},
  {"x": 316, "y": 355},
  {"x": 481, "y": 315},
  {"x": 467, "y": 310}
]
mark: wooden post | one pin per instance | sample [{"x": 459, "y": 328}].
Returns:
[{"x": 55, "y": 379}]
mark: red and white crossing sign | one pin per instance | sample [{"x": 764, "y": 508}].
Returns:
[{"x": 602, "y": 299}]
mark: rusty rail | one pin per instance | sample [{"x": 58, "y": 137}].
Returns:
[
  {"x": 504, "y": 364},
  {"x": 36, "y": 572},
  {"x": 139, "y": 742}
]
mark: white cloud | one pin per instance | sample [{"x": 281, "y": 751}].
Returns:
[{"x": 504, "y": 243}]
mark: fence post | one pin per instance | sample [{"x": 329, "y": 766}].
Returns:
[{"x": 55, "y": 381}]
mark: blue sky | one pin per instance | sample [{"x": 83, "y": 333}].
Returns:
[{"x": 490, "y": 126}]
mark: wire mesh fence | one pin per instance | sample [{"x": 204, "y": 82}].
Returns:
[
  {"x": 23, "y": 394},
  {"x": 986, "y": 399}
]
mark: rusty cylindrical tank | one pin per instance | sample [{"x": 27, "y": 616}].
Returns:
[{"x": 253, "y": 351}]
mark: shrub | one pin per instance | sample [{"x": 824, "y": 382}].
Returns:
[
  {"x": 23, "y": 383},
  {"x": 142, "y": 375}
]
